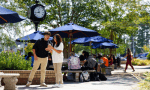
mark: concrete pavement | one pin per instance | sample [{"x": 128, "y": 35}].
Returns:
[{"x": 117, "y": 81}]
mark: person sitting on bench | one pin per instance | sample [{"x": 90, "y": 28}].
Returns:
[
  {"x": 90, "y": 63},
  {"x": 73, "y": 62}
]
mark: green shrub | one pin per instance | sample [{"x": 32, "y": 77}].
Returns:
[
  {"x": 145, "y": 84},
  {"x": 13, "y": 61},
  {"x": 140, "y": 62},
  {"x": 148, "y": 56}
]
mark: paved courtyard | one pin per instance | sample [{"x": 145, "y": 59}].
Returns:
[{"x": 117, "y": 81}]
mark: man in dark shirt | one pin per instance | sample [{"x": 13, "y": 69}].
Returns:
[{"x": 40, "y": 57}]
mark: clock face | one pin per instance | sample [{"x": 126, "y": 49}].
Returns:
[{"x": 39, "y": 12}]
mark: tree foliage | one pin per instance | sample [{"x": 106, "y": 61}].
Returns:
[{"x": 113, "y": 18}]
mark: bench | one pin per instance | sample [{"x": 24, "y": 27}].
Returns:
[
  {"x": 77, "y": 73},
  {"x": 1, "y": 78},
  {"x": 10, "y": 80}
]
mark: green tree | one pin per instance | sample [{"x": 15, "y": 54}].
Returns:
[{"x": 114, "y": 17}]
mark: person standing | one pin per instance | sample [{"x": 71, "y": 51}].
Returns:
[
  {"x": 129, "y": 55},
  {"x": 57, "y": 58},
  {"x": 40, "y": 57}
]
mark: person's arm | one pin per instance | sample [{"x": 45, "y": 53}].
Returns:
[
  {"x": 35, "y": 46},
  {"x": 50, "y": 51},
  {"x": 125, "y": 56},
  {"x": 34, "y": 53},
  {"x": 131, "y": 57},
  {"x": 58, "y": 51}
]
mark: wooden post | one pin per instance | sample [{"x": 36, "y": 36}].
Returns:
[
  {"x": 91, "y": 47},
  {"x": 70, "y": 39}
]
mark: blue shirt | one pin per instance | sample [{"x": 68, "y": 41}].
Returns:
[{"x": 32, "y": 60}]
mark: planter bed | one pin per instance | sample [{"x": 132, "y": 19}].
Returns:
[{"x": 24, "y": 75}]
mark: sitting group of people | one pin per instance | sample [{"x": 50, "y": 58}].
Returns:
[
  {"x": 87, "y": 61},
  {"x": 104, "y": 61}
]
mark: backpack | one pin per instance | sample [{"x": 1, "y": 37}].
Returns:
[
  {"x": 74, "y": 63},
  {"x": 70, "y": 77},
  {"x": 84, "y": 77},
  {"x": 94, "y": 76},
  {"x": 102, "y": 77}
]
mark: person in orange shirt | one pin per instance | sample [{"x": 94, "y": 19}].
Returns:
[{"x": 105, "y": 60}]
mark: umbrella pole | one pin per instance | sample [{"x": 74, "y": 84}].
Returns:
[
  {"x": 100, "y": 49},
  {"x": 115, "y": 51},
  {"x": 104, "y": 51},
  {"x": 91, "y": 47},
  {"x": 70, "y": 42}
]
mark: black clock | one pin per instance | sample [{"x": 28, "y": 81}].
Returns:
[{"x": 36, "y": 12}]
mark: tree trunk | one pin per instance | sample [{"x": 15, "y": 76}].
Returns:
[{"x": 111, "y": 38}]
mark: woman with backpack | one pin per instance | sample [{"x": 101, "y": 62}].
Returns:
[{"x": 129, "y": 55}]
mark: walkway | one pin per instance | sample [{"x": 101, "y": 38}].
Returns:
[{"x": 117, "y": 81}]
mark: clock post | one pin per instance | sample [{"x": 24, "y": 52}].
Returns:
[{"x": 36, "y": 13}]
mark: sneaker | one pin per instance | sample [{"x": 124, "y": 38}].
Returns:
[
  {"x": 60, "y": 85},
  {"x": 43, "y": 85},
  {"x": 56, "y": 86},
  {"x": 28, "y": 84},
  {"x": 133, "y": 71},
  {"x": 124, "y": 71}
]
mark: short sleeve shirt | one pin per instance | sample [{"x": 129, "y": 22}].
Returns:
[
  {"x": 105, "y": 60},
  {"x": 39, "y": 47},
  {"x": 58, "y": 57}
]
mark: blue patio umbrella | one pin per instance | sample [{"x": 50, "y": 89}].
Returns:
[
  {"x": 32, "y": 37},
  {"x": 8, "y": 16},
  {"x": 73, "y": 31},
  {"x": 88, "y": 40},
  {"x": 104, "y": 45}
]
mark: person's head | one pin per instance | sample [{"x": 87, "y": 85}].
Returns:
[
  {"x": 100, "y": 56},
  {"x": 113, "y": 56},
  {"x": 86, "y": 55},
  {"x": 104, "y": 55},
  {"x": 72, "y": 53},
  {"x": 83, "y": 52},
  {"x": 30, "y": 54},
  {"x": 47, "y": 35},
  {"x": 57, "y": 39},
  {"x": 109, "y": 55},
  {"x": 128, "y": 51},
  {"x": 94, "y": 55}
]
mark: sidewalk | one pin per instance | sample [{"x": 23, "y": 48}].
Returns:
[{"x": 117, "y": 81}]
